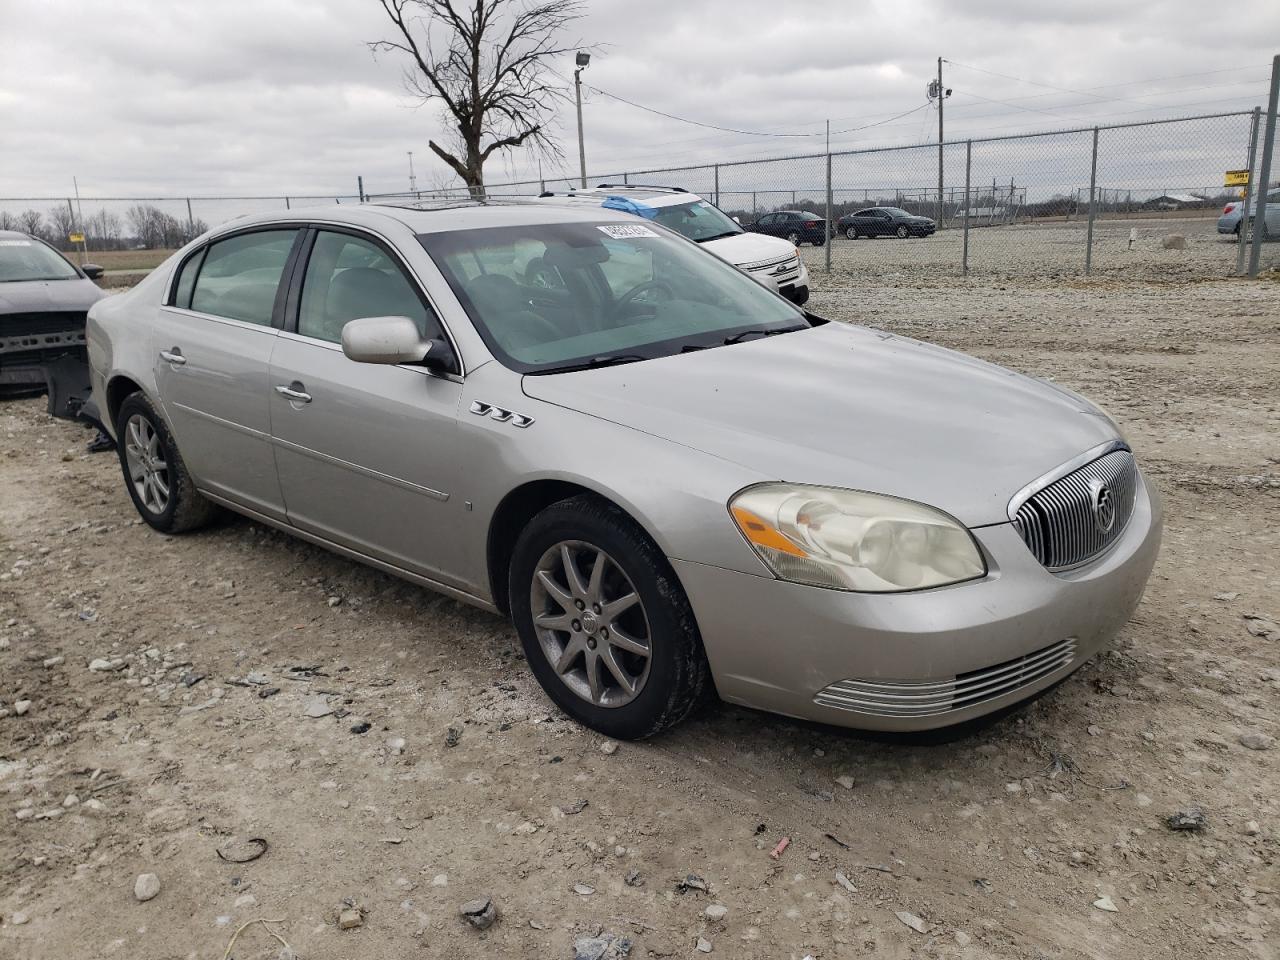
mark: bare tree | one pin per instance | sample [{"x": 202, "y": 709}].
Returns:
[
  {"x": 485, "y": 60},
  {"x": 30, "y": 221},
  {"x": 8, "y": 221},
  {"x": 62, "y": 223}
]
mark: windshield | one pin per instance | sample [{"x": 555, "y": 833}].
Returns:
[
  {"x": 24, "y": 259},
  {"x": 699, "y": 221},
  {"x": 553, "y": 297}
]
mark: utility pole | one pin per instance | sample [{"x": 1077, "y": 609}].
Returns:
[
  {"x": 940, "y": 99},
  {"x": 413, "y": 181},
  {"x": 80, "y": 219},
  {"x": 937, "y": 90},
  {"x": 582, "y": 60}
]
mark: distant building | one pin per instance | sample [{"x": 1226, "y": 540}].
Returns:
[{"x": 1175, "y": 201}]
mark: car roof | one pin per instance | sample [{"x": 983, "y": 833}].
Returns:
[
  {"x": 15, "y": 235},
  {"x": 650, "y": 196},
  {"x": 436, "y": 216}
]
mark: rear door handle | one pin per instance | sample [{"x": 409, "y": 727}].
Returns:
[
  {"x": 173, "y": 356},
  {"x": 294, "y": 391}
]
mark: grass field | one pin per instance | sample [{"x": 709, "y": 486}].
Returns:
[{"x": 124, "y": 259}]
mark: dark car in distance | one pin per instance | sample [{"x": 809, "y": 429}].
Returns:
[
  {"x": 43, "y": 301},
  {"x": 885, "y": 222},
  {"x": 798, "y": 226}
]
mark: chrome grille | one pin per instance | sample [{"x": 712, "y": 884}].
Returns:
[
  {"x": 1060, "y": 522},
  {"x": 904, "y": 698},
  {"x": 781, "y": 264}
]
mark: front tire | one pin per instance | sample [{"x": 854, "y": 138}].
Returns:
[
  {"x": 159, "y": 485},
  {"x": 903, "y": 233},
  {"x": 605, "y": 624}
]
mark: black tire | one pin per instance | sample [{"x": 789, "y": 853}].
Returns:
[
  {"x": 677, "y": 677},
  {"x": 819, "y": 242},
  {"x": 851, "y": 233},
  {"x": 184, "y": 508},
  {"x": 903, "y": 233}
]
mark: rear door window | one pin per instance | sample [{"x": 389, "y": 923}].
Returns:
[{"x": 241, "y": 274}]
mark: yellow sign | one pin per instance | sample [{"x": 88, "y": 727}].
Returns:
[
  {"x": 76, "y": 238},
  {"x": 1236, "y": 178}
]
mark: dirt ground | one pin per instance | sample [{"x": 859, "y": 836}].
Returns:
[{"x": 1041, "y": 837}]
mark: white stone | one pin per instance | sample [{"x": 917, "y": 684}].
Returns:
[
  {"x": 715, "y": 911},
  {"x": 146, "y": 887}
]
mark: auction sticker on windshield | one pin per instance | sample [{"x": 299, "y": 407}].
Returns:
[
  {"x": 15, "y": 243},
  {"x": 626, "y": 231}
]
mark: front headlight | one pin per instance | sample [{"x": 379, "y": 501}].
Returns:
[{"x": 847, "y": 540}]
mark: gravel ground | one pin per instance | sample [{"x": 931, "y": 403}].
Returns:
[{"x": 1042, "y": 836}]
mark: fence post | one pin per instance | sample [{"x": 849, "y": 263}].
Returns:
[
  {"x": 191, "y": 221},
  {"x": 826, "y": 243},
  {"x": 1093, "y": 205},
  {"x": 1264, "y": 172},
  {"x": 717, "y": 189},
  {"x": 968, "y": 169},
  {"x": 360, "y": 187},
  {"x": 286, "y": 203},
  {"x": 1242, "y": 232}
]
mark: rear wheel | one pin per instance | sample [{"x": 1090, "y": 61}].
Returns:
[
  {"x": 157, "y": 480},
  {"x": 851, "y": 233},
  {"x": 605, "y": 625},
  {"x": 793, "y": 238}
]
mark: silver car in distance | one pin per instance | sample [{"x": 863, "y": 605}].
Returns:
[{"x": 671, "y": 479}]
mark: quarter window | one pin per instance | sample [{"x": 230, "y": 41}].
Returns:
[
  {"x": 241, "y": 274},
  {"x": 348, "y": 277}
]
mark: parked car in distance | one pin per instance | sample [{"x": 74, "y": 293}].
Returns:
[
  {"x": 43, "y": 301},
  {"x": 770, "y": 261},
  {"x": 797, "y": 226},
  {"x": 885, "y": 222},
  {"x": 673, "y": 480},
  {"x": 1233, "y": 213}
]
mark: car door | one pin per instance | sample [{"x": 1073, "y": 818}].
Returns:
[
  {"x": 366, "y": 452},
  {"x": 767, "y": 224},
  {"x": 213, "y": 341}
]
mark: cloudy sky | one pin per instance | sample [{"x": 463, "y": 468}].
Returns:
[{"x": 176, "y": 97}]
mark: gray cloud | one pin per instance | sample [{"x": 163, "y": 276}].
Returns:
[{"x": 282, "y": 96}]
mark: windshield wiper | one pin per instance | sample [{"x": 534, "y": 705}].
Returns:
[
  {"x": 605, "y": 360},
  {"x": 758, "y": 332},
  {"x": 720, "y": 236}
]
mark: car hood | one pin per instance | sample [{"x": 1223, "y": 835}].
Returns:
[
  {"x": 38, "y": 296},
  {"x": 746, "y": 248},
  {"x": 845, "y": 406}
]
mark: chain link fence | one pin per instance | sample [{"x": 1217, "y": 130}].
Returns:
[{"x": 1133, "y": 200}]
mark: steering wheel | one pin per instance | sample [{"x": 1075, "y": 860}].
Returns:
[{"x": 630, "y": 296}]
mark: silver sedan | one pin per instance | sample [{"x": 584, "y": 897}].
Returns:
[{"x": 673, "y": 481}]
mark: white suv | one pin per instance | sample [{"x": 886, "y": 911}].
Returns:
[{"x": 772, "y": 261}]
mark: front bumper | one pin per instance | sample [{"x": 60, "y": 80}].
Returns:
[{"x": 799, "y": 650}]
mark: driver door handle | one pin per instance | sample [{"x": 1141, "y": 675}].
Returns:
[
  {"x": 173, "y": 356},
  {"x": 294, "y": 391}
]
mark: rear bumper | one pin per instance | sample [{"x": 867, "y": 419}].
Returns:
[
  {"x": 1228, "y": 223},
  {"x": 918, "y": 661}
]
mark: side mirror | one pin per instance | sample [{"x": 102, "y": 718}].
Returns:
[
  {"x": 91, "y": 270},
  {"x": 394, "y": 340}
]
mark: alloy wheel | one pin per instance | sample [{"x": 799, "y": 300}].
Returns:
[
  {"x": 793, "y": 238},
  {"x": 148, "y": 469},
  {"x": 590, "y": 623},
  {"x": 903, "y": 233},
  {"x": 851, "y": 233}
]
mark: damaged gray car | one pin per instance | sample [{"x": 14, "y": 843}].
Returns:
[{"x": 44, "y": 298}]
